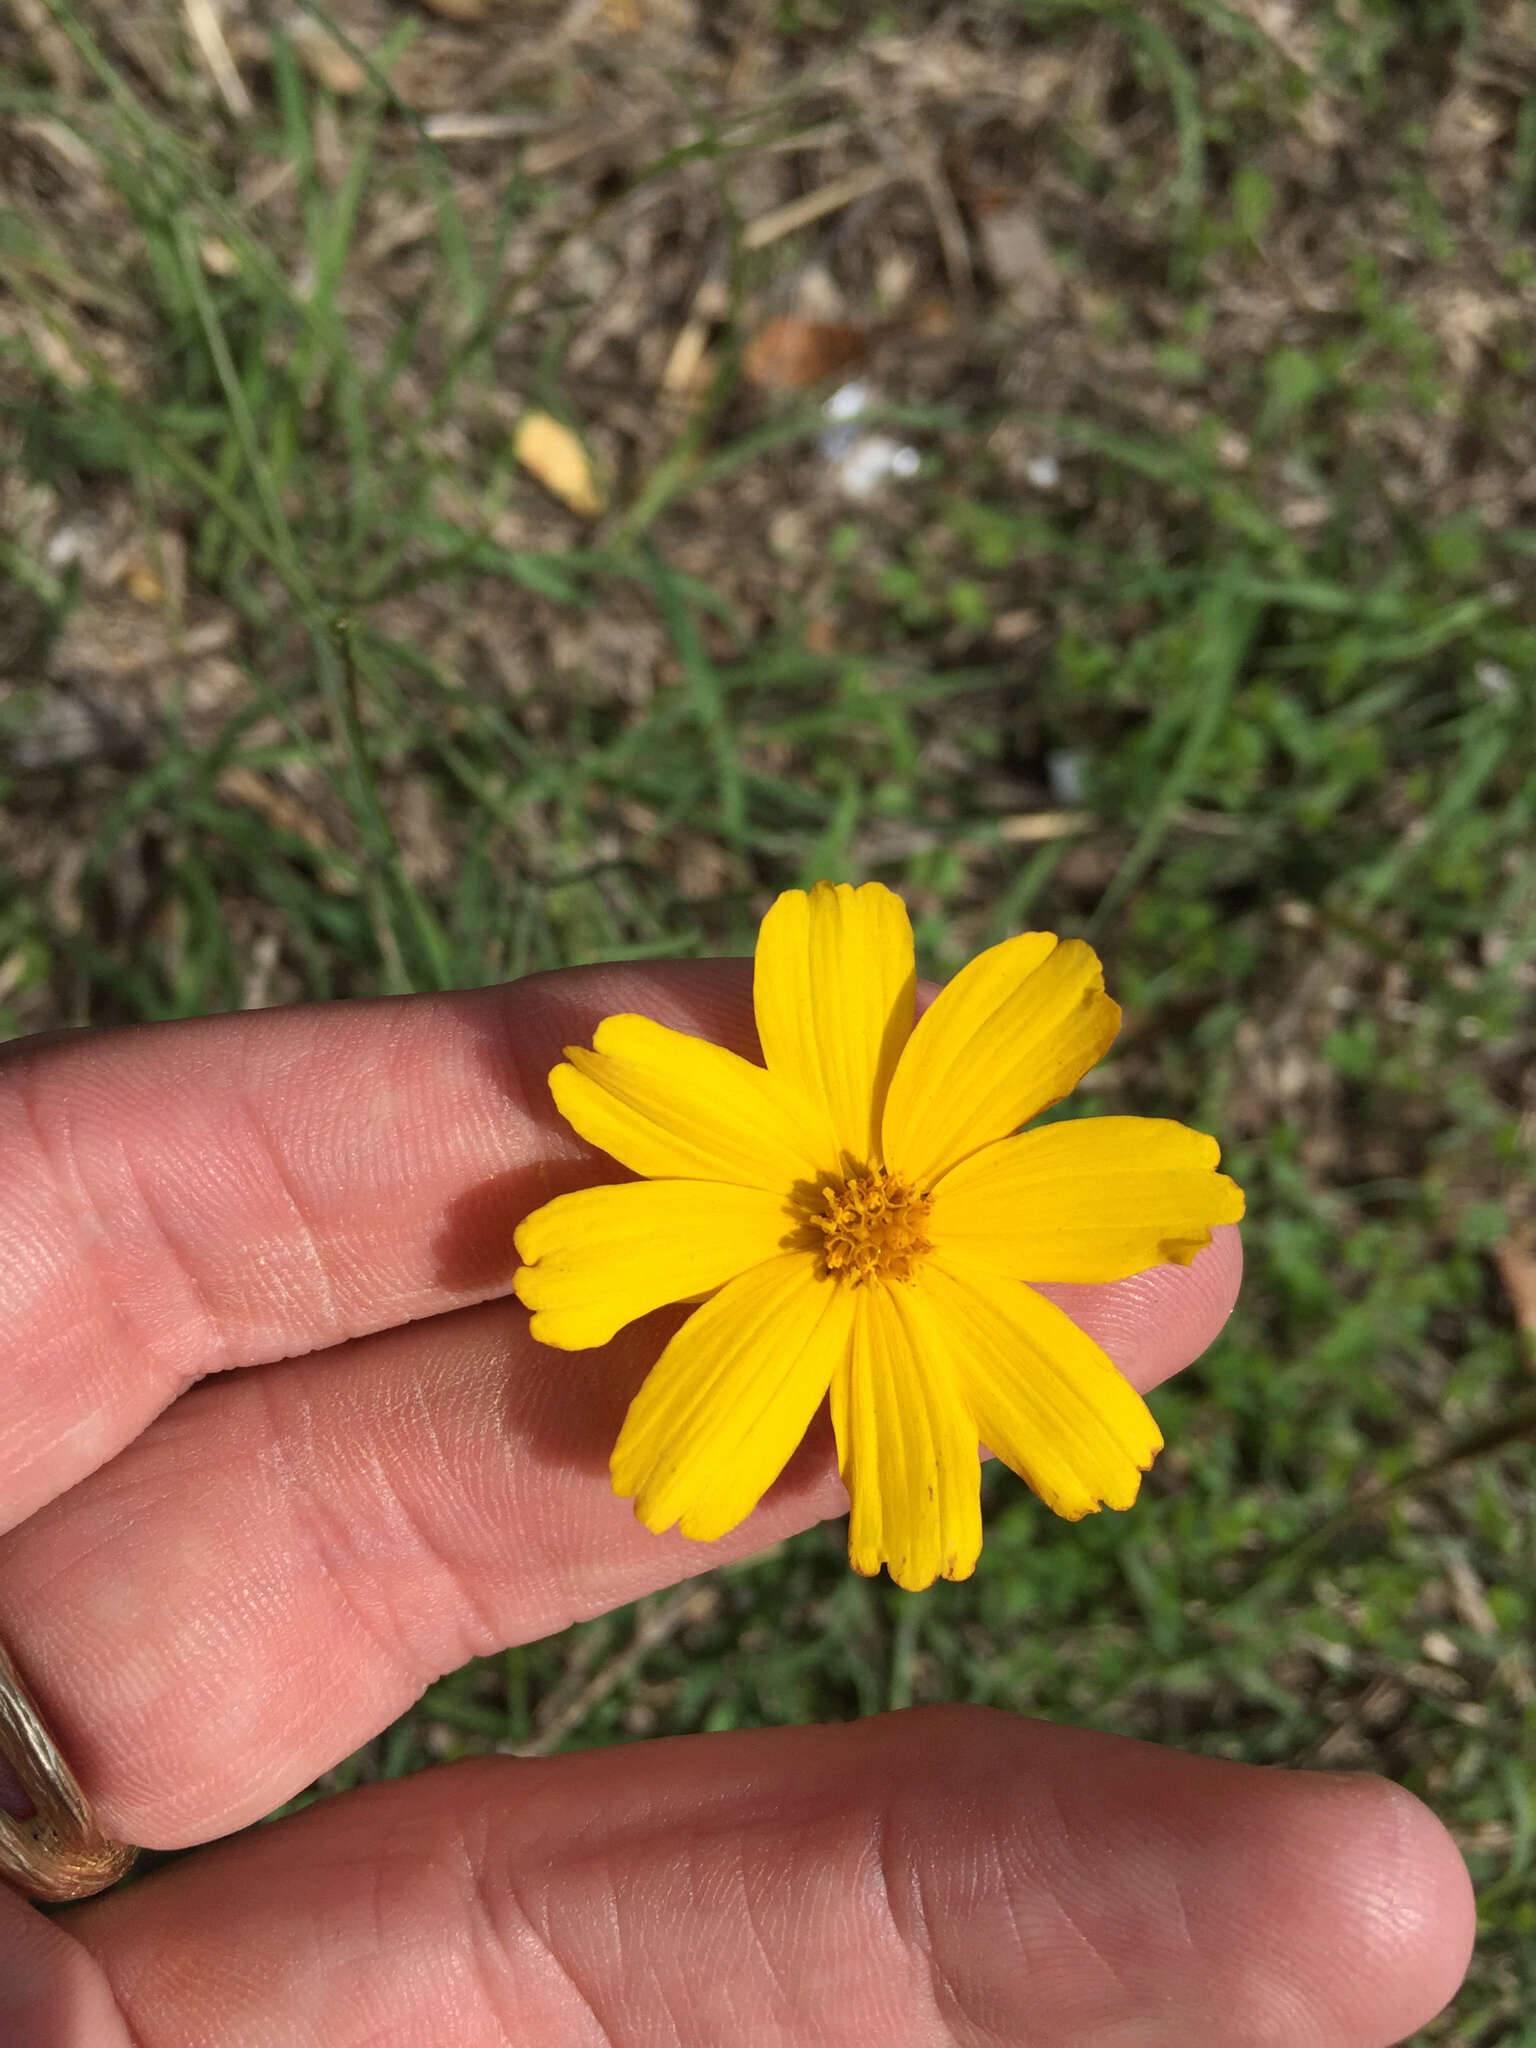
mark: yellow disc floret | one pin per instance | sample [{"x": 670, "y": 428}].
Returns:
[{"x": 875, "y": 1223}]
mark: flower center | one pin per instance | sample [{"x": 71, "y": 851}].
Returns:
[{"x": 875, "y": 1223}]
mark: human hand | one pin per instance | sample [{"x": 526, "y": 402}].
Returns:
[{"x": 219, "y": 1590}]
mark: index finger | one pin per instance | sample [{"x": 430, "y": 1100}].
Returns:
[{"x": 180, "y": 1199}]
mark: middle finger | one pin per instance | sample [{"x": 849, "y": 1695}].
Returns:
[{"x": 275, "y": 1569}]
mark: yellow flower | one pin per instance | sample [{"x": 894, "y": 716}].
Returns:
[{"x": 859, "y": 1220}]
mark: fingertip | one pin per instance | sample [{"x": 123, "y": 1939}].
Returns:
[
  {"x": 1392, "y": 1903},
  {"x": 1156, "y": 1323},
  {"x": 1264, "y": 1905}
]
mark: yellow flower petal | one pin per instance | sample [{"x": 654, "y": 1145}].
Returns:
[
  {"x": 598, "y": 1258},
  {"x": 1012, "y": 1033},
  {"x": 907, "y": 1450},
  {"x": 1096, "y": 1199},
  {"x": 731, "y": 1396},
  {"x": 833, "y": 988},
  {"x": 1044, "y": 1396},
  {"x": 678, "y": 1108}
]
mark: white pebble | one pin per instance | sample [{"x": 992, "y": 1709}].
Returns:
[{"x": 847, "y": 401}]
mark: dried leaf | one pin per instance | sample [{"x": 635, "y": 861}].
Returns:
[
  {"x": 687, "y": 366},
  {"x": 217, "y": 257},
  {"x": 1036, "y": 828},
  {"x": 789, "y": 353},
  {"x": 552, "y": 453},
  {"x": 324, "y": 58},
  {"x": 283, "y": 811},
  {"x": 460, "y": 10}
]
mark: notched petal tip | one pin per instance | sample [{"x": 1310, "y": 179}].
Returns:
[
  {"x": 1181, "y": 1251},
  {"x": 617, "y": 1024},
  {"x": 634, "y": 1480},
  {"x": 1086, "y": 1199},
  {"x": 706, "y": 1525},
  {"x": 909, "y": 1582},
  {"x": 532, "y": 1236},
  {"x": 1120, "y": 1493},
  {"x": 553, "y": 1322},
  {"x": 657, "y": 1524},
  {"x": 1145, "y": 1457},
  {"x": 562, "y": 1075},
  {"x": 560, "y": 1334},
  {"x": 1225, "y": 1203},
  {"x": 657, "y": 1510},
  {"x": 953, "y": 1568}
]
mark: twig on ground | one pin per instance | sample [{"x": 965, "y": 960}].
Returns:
[
  {"x": 799, "y": 213},
  {"x": 559, "y": 1715},
  {"x": 1029, "y": 828},
  {"x": 208, "y": 34}
]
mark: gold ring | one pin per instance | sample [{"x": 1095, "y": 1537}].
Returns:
[{"x": 58, "y": 1851}]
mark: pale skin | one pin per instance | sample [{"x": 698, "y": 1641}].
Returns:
[{"x": 219, "y": 1589}]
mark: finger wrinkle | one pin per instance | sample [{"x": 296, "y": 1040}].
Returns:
[
  {"x": 436, "y": 1901},
  {"x": 511, "y": 1931},
  {"x": 267, "y": 1152},
  {"x": 768, "y": 1960},
  {"x": 73, "y": 1154},
  {"x": 68, "y": 1328},
  {"x": 1081, "y": 1938},
  {"x": 910, "y": 1928},
  {"x": 929, "y": 1901},
  {"x": 476, "y": 1630},
  {"x": 325, "y": 1537},
  {"x": 481, "y": 1630}
]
